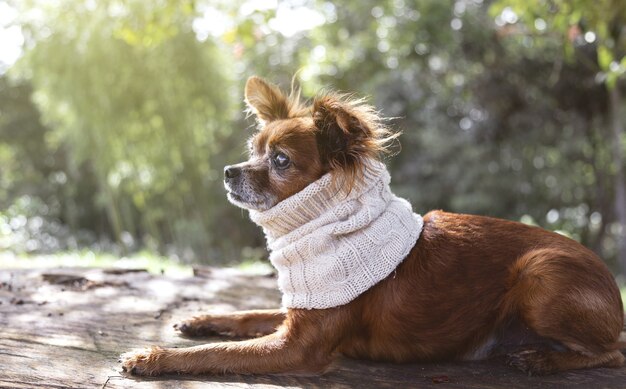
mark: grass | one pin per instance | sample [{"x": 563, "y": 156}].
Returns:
[
  {"x": 86, "y": 258},
  {"x": 153, "y": 263},
  {"x": 255, "y": 267}
]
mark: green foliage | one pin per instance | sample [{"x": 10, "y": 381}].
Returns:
[
  {"x": 575, "y": 22},
  {"x": 592, "y": 34},
  {"x": 135, "y": 97},
  {"x": 503, "y": 109}
]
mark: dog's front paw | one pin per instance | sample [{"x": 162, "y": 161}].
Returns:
[
  {"x": 195, "y": 327},
  {"x": 531, "y": 362},
  {"x": 207, "y": 325},
  {"x": 144, "y": 362}
]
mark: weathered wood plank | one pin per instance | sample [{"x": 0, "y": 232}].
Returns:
[{"x": 65, "y": 329}]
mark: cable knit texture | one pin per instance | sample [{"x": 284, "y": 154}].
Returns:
[{"x": 329, "y": 244}]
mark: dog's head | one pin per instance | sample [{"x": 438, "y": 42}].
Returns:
[{"x": 297, "y": 143}]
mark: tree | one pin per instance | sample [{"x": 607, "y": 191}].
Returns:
[
  {"x": 579, "y": 25},
  {"x": 132, "y": 93}
]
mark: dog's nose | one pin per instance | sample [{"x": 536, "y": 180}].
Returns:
[{"x": 231, "y": 172}]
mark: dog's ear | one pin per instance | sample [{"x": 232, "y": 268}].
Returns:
[
  {"x": 349, "y": 133},
  {"x": 266, "y": 100}
]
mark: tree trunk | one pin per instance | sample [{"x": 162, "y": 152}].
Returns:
[{"x": 620, "y": 184}]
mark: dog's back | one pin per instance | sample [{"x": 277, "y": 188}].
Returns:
[{"x": 472, "y": 283}]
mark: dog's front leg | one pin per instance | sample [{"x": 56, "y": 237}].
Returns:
[{"x": 303, "y": 345}]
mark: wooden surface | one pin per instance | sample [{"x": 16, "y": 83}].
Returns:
[{"x": 64, "y": 328}]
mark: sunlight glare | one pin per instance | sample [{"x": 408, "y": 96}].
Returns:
[
  {"x": 212, "y": 23},
  {"x": 11, "y": 38},
  {"x": 292, "y": 20}
]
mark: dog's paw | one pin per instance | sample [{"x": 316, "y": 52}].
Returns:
[
  {"x": 202, "y": 326},
  {"x": 531, "y": 362},
  {"x": 143, "y": 362},
  {"x": 194, "y": 327},
  {"x": 184, "y": 327}
]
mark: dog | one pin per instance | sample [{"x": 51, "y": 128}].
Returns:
[{"x": 450, "y": 287}]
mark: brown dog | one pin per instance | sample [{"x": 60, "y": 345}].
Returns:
[{"x": 471, "y": 286}]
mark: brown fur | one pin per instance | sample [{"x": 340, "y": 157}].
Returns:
[
  {"x": 471, "y": 287},
  {"x": 348, "y": 133}
]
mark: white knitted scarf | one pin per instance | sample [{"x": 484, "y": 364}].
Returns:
[{"x": 330, "y": 244}]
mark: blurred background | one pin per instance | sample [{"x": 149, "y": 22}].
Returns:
[{"x": 117, "y": 117}]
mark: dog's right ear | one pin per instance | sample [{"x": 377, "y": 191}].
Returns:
[{"x": 266, "y": 100}]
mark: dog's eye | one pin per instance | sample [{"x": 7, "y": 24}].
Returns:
[{"x": 281, "y": 161}]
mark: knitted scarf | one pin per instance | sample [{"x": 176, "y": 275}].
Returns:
[{"x": 330, "y": 244}]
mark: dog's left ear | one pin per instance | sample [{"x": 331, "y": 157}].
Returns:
[
  {"x": 266, "y": 100},
  {"x": 348, "y": 132}
]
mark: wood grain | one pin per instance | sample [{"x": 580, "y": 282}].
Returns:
[{"x": 65, "y": 328}]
